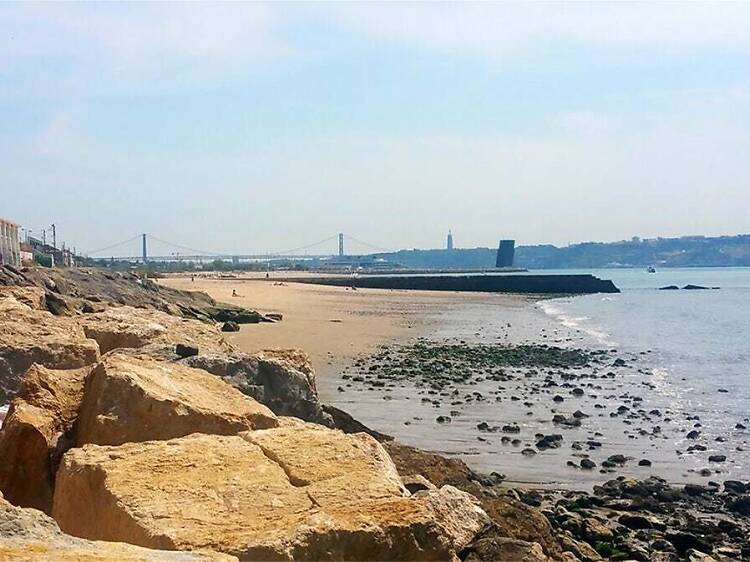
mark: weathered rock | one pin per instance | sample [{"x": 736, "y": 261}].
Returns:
[
  {"x": 348, "y": 424},
  {"x": 33, "y": 297},
  {"x": 511, "y": 517},
  {"x": 285, "y": 382},
  {"x": 182, "y": 351},
  {"x": 295, "y": 358},
  {"x": 59, "y": 305},
  {"x": 230, "y": 327},
  {"x": 28, "y": 535},
  {"x": 29, "y": 336},
  {"x": 298, "y": 492},
  {"x": 129, "y": 398},
  {"x": 36, "y": 433},
  {"x": 582, "y": 551},
  {"x": 125, "y": 326},
  {"x": 503, "y": 549},
  {"x": 236, "y": 315},
  {"x": 92, "y": 290},
  {"x": 417, "y": 483}
]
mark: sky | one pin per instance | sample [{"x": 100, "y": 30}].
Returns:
[{"x": 243, "y": 128}]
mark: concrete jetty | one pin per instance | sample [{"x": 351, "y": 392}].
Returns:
[{"x": 489, "y": 283}]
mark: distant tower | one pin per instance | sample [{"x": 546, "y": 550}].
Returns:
[
  {"x": 449, "y": 246},
  {"x": 145, "y": 253},
  {"x": 341, "y": 244},
  {"x": 505, "y": 253}
]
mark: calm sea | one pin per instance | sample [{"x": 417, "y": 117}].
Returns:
[{"x": 699, "y": 340}]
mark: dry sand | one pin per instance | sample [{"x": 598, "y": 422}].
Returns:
[{"x": 332, "y": 324}]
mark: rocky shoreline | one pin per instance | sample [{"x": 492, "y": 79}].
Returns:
[{"x": 135, "y": 423}]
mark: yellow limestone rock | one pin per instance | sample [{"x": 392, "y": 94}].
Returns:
[
  {"x": 129, "y": 398},
  {"x": 294, "y": 493},
  {"x": 27, "y": 535},
  {"x": 294, "y": 358},
  {"x": 33, "y": 297},
  {"x": 125, "y": 326},
  {"x": 38, "y": 425},
  {"x": 29, "y": 336}
]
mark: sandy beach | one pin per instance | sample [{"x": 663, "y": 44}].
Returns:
[{"x": 334, "y": 324}]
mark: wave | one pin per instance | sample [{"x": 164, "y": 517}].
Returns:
[{"x": 580, "y": 323}]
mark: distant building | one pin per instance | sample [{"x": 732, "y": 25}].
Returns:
[
  {"x": 506, "y": 253},
  {"x": 47, "y": 255},
  {"x": 449, "y": 245},
  {"x": 10, "y": 248},
  {"x": 27, "y": 253}
]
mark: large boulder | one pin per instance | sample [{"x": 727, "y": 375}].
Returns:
[
  {"x": 501, "y": 549},
  {"x": 512, "y": 519},
  {"x": 28, "y": 535},
  {"x": 297, "y": 492},
  {"x": 36, "y": 432},
  {"x": 125, "y": 326},
  {"x": 129, "y": 398},
  {"x": 33, "y": 297},
  {"x": 282, "y": 380},
  {"x": 294, "y": 358},
  {"x": 29, "y": 335}
]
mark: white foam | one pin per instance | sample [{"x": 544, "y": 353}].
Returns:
[{"x": 575, "y": 322}]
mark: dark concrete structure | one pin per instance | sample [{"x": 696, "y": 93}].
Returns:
[
  {"x": 505, "y": 253},
  {"x": 489, "y": 283}
]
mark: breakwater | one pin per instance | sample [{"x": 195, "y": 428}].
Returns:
[{"x": 524, "y": 284}]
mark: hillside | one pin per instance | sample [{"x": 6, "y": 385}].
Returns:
[{"x": 687, "y": 251}]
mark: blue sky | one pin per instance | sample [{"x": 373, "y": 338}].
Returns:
[{"x": 259, "y": 127}]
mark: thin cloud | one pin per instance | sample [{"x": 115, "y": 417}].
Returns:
[{"x": 504, "y": 28}]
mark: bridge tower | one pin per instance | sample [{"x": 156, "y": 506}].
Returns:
[
  {"x": 341, "y": 244},
  {"x": 145, "y": 253}
]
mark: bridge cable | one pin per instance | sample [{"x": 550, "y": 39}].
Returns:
[
  {"x": 360, "y": 242},
  {"x": 308, "y": 246},
  {"x": 134, "y": 238},
  {"x": 173, "y": 245}
]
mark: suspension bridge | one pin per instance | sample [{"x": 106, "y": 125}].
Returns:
[{"x": 141, "y": 248}]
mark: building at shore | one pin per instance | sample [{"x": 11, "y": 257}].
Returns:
[
  {"x": 505, "y": 253},
  {"x": 449, "y": 245},
  {"x": 10, "y": 248}
]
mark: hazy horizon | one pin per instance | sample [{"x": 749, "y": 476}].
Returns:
[{"x": 262, "y": 127}]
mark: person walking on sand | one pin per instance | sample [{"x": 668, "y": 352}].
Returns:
[{"x": 234, "y": 293}]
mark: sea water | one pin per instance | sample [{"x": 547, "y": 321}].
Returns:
[{"x": 699, "y": 340}]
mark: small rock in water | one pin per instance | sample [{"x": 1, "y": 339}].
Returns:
[{"x": 550, "y": 442}]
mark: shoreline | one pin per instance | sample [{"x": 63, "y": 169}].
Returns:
[
  {"x": 618, "y": 402},
  {"x": 156, "y": 363}
]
